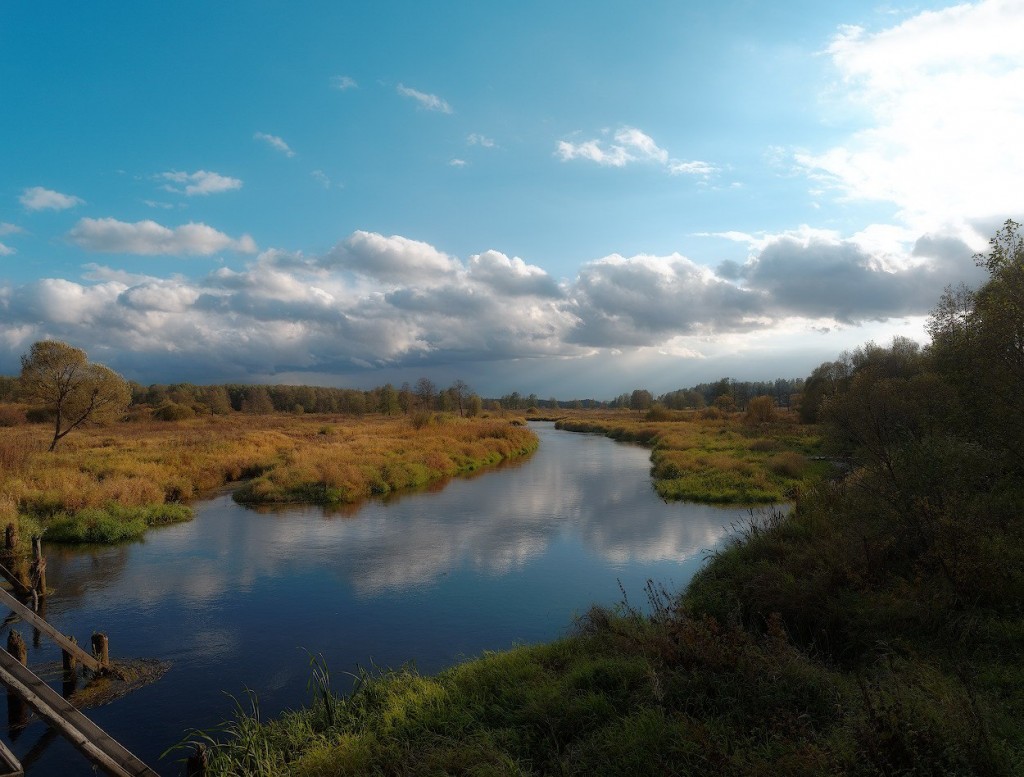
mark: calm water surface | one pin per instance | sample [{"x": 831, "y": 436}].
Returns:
[{"x": 236, "y": 598}]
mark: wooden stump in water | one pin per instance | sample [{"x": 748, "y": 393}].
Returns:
[
  {"x": 17, "y": 710},
  {"x": 70, "y": 662},
  {"x": 198, "y": 762},
  {"x": 11, "y": 538},
  {"x": 38, "y": 566},
  {"x": 101, "y": 649},
  {"x": 16, "y": 647}
]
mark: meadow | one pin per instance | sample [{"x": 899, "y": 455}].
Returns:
[{"x": 110, "y": 483}]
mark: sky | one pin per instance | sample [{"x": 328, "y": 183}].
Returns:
[{"x": 572, "y": 199}]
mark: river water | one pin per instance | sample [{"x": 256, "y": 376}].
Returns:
[{"x": 238, "y": 599}]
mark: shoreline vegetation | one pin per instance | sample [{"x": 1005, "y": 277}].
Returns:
[
  {"x": 109, "y": 484},
  {"x": 713, "y": 457}
]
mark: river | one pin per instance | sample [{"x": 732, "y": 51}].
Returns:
[{"x": 238, "y": 599}]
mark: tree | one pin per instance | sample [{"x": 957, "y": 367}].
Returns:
[
  {"x": 640, "y": 400},
  {"x": 461, "y": 391},
  {"x": 73, "y": 389},
  {"x": 425, "y": 392}
]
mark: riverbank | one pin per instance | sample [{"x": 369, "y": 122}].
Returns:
[
  {"x": 714, "y": 457},
  {"x": 109, "y": 484}
]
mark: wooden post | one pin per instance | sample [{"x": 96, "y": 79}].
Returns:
[
  {"x": 70, "y": 662},
  {"x": 11, "y": 538},
  {"x": 198, "y": 762},
  {"x": 17, "y": 710},
  {"x": 38, "y": 566},
  {"x": 16, "y": 647},
  {"x": 101, "y": 649}
]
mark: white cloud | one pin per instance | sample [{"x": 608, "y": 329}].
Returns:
[
  {"x": 321, "y": 178},
  {"x": 394, "y": 258},
  {"x": 149, "y": 238},
  {"x": 376, "y": 300},
  {"x": 456, "y": 162},
  {"x": 943, "y": 95},
  {"x": 430, "y": 102},
  {"x": 38, "y": 198},
  {"x": 8, "y": 229},
  {"x": 201, "y": 182},
  {"x": 695, "y": 168},
  {"x": 629, "y": 145},
  {"x": 274, "y": 142},
  {"x": 475, "y": 139},
  {"x": 344, "y": 83}
]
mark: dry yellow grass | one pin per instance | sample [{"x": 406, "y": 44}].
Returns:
[{"x": 324, "y": 459}]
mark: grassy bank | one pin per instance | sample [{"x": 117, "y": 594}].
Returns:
[
  {"x": 109, "y": 484},
  {"x": 786, "y": 656},
  {"x": 721, "y": 459}
]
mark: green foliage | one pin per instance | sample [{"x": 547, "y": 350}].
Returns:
[{"x": 112, "y": 524}]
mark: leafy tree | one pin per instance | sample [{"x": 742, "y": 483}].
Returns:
[
  {"x": 640, "y": 400},
  {"x": 389, "y": 404},
  {"x": 257, "y": 401},
  {"x": 75, "y": 390}
]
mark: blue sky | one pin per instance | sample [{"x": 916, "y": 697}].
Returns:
[{"x": 571, "y": 199}]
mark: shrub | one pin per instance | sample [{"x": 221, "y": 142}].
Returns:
[
  {"x": 171, "y": 411},
  {"x": 760, "y": 410},
  {"x": 659, "y": 412},
  {"x": 11, "y": 415},
  {"x": 788, "y": 464}
]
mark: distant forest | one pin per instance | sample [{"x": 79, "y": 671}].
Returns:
[{"x": 184, "y": 400}]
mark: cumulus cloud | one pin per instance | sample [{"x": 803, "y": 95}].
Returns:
[
  {"x": 942, "y": 94},
  {"x": 201, "y": 182},
  {"x": 376, "y": 300},
  {"x": 429, "y": 102},
  {"x": 344, "y": 83},
  {"x": 150, "y": 238},
  {"x": 476, "y": 139},
  {"x": 512, "y": 277},
  {"x": 629, "y": 145},
  {"x": 38, "y": 198},
  {"x": 644, "y": 300},
  {"x": 456, "y": 162},
  {"x": 274, "y": 142},
  {"x": 394, "y": 258}
]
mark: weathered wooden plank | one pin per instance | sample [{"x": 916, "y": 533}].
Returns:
[
  {"x": 96, "y": 744},
  {"x": 9, "y": 763},
  {"x": 44, "y": 626},
  {"x": 12, "y": 578}
]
